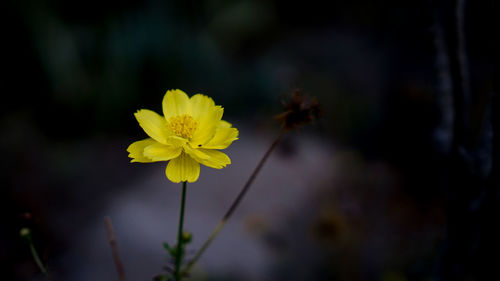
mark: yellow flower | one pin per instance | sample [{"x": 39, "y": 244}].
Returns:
[{"x": 190, "y": 134}]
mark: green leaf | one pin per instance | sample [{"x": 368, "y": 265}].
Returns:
[{"x": 167, "y": 246}]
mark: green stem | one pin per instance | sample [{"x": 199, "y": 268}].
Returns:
[
  {"x": 26, "y": 234},
  {"x": 205, "y": 246},
  {"x": 179, "y": 251},
  {"x": 37, "y": 259},
  {"x": 235, "y": 203}
]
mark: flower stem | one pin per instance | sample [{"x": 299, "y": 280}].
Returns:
[
  {"x": 26, "y": 233},
  {"x": 179, "y": 251},
  {"x": 37, "y": 260},
  {"x": 235, "y": 203},
  {"x": 114, "y": 249}
]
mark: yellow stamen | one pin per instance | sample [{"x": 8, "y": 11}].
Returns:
[{"x": 182, "y": 126}]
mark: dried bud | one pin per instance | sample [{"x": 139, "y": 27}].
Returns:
[
  {"x": 299, "y": 110},
  {"x": 26, "y": 215}
]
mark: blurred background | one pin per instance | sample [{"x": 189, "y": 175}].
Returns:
[{"x": 397, "y": 182}]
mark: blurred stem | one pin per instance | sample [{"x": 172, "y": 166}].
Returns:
[
  {"x": 235, "y": 203},
  {"x": 179, "y": 251},
  {"x": 37, "y": 259},
  {"x": 120, "y": 270}
]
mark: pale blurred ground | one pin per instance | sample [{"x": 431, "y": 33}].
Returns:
[{"x": 145, "y": 212}]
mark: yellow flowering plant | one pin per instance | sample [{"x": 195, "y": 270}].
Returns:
[{"x": 190, "y": 133}]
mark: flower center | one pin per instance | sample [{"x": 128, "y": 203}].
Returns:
[{"x": 182, "y": 126}]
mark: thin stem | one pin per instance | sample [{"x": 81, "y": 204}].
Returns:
[
  {"x": 205, "y": 245},
  {"x": 235, "y": 203},
  {"x": 114, "y": 249},
  {"x": 179, "y": 251},
  {"x": 252, "y": 177},
  {"x": 26, "y": 234},
  {"x": 37, "y": 259}
]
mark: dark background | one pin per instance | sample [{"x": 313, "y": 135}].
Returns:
[{"x": 405, "y": 185}]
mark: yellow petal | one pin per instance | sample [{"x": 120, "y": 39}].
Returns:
[
  {"x": 224, "y": 124},
  {"x": 136, "y": 150},
  {"x": 153, "y": 124},
  {"x": 201, "y": 105},
  {"x": 222, "y": 139},
  {"x": 217, "y": 159},
  {"x": 160, "y": 152},
  {"x": 183, "y": 168},
  {"x": 206, "y": 126},
  {"x": 196, "y": 154},
  {"x": 219, "y": 110},
  {"x": 175, "y": 103},
  {"x": 176, "y": 141}
]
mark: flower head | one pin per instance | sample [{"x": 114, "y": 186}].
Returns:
[
  {"x": 189, "y": 134},
  {"x": 299, "y": 110}
]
